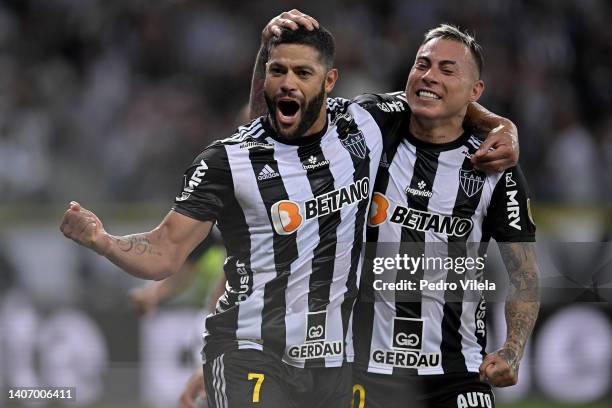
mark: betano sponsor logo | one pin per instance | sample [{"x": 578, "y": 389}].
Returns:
[
  {"x": 287, "y": 215},
  {"x": 425, "y": 221},
  {"x": 378, "y": 210},
  {"x": 417, "y": 220}
]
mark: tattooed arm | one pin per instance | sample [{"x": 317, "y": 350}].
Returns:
[
  {"x": 156, "y": 254},
  {"x": 522, "y": 304}
]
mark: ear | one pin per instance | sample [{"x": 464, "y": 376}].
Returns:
[
  {"x": 477, "y": 90},
  {"x": 330, "y": 80}
]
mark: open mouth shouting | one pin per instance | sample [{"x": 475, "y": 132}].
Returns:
[{"x": 287, "y": 111}]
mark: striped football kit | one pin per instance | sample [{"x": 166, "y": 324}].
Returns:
[
  {"x": 292, "y": 215},
  {"x": 429, "y": 334}
]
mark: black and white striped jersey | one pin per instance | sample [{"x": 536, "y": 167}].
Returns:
[
  {"x": 430, "y": 203},
  {"x": 292, "y": 216}
]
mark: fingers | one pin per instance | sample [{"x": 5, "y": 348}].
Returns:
[
  {"x": 485, "y": 363},
  {"x": 300, "y": 18},
  {"x": 500, "y": 147},
  {"x": 496, "y": 371},
  {"x": 289, "y": 19},
  {"x": 496, "y": 166},
  {"x": 499, "y": 159},
  {"x": 80, "y": 225}
]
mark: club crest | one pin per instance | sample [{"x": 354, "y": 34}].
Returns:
[
  {"x": 350, "y": 136},
  {"x": 471, "y": 181}
]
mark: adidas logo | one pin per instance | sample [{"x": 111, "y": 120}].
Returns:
[{"x": 267, "y": 173}]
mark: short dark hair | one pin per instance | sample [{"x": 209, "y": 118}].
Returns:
[
  {"x": 454, "y": 33},
  {"x": 320, "y": 39}
]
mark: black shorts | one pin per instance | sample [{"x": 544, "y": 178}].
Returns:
[
  {"x": 427, "y": 391},
  {"x": 253, "y": 378}
]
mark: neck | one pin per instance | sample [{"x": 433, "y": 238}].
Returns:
[
  {"x": 436, "y": 131},
  {"x": 320, "y": 122}
]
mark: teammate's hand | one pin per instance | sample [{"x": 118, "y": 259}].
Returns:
[
  {"x": 500, "y": 368},
  {"x": 144, "y": 299},
  {"x": 83, "y": 227},
  {"x": 499, "y": 151},
  {"x": 193, "y": 389},
  {"x": 288, "y": 19}
]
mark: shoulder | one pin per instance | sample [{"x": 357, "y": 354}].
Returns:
[
  {"x": 392, "y": 102},
  {"x": 249, "y": 131},
  {"x": 246, "y": 137}
]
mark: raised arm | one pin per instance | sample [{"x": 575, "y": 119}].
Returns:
[
  {"x": 500, "y": 150},
  {"x": 522, "y": 305},
  {"x": 156, "y": 254},
  {"x": 288, "y": 19}
]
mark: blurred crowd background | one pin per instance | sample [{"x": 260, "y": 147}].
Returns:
[
  {"x": 107, "y": 102},
  {"x": 110, "y": 100}
]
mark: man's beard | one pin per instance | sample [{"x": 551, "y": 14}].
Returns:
[{"x": 310, "y": 114}]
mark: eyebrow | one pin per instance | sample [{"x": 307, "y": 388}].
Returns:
[
  {"x": 443, "y": 62},
  {"x": 296, "y": 67}
]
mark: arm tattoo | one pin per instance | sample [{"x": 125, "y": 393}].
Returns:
[
  {"x": 522, "y": 302},
  {"x": 257, "y": 101},
  {"x": 137, "y": 244}
]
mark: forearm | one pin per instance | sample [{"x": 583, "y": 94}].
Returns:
[
  {"x": 257, "y": 102},
  {"x": 482, "y": 121},
  {"x": 141, "y": 255},
  {"x": 520, "y": 319},
  {"x": 522, "y": 303}
]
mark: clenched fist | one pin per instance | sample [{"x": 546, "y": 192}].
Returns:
[
  {"x": 500, "y": 369},
  {"x": 83, "y": 227}
]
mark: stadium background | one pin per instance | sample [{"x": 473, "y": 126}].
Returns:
[{"x": 107, "y": 102}]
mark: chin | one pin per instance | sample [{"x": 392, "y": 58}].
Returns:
[
  {"x": 425, "y": 112},
  {"x": 288, "y": 133}
]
